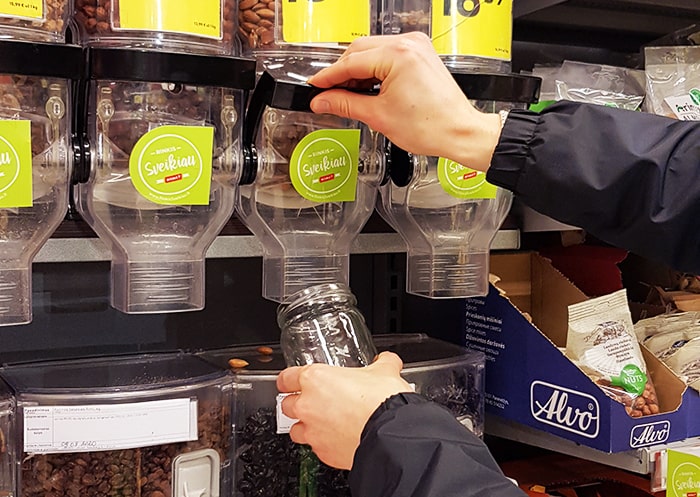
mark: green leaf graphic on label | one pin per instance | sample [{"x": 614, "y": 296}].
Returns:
[
  {"x": 462, "y": 182},
  {"x": 631, "y": 378},
  {"x": 324, "y": 164},
  {"x": 171, "y": 165},
  {"x": 15, "y": 164},
  {"x": 695, "y": 96}
]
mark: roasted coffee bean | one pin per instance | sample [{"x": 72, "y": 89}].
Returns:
[{"x": 145, "y": 472}]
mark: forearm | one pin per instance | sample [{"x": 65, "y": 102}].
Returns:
[
  {"x": 630, "y": 179},
  {"x": 414, "y": 447}
]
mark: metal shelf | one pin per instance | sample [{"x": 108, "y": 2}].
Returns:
[
  {"x": 638, "y": 461},
  {"x": 237, "y": 246}
]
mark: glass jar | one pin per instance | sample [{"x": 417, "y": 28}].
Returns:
[{"x": 322, "y": 324}]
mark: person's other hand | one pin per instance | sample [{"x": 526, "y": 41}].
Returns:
[
  {"x": 420, "y": 108},
  {"x": 334, "y": 403}
]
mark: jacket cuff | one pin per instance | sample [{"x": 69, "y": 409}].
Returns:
[
  {"x": 393, "y": 402},
  {"x": 513, "y": 149}
]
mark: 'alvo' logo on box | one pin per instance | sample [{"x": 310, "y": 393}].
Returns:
[
  {"x": 650, "y": 434},
  {"x": 564, "y": 408}
]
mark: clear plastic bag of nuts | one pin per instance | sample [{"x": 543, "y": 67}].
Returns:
[{"x": 602, "y": 343}]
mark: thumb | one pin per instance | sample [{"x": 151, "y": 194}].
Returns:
[
  {"x": 345, "y": 104},
  {"x": 388, "y": 362}
]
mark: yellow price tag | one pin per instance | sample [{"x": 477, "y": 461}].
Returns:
[
  {"x": 27, "y": 9},
  {"x": 200, "y": 18},
  {"x": 324, "y": 21},
  {"x": 478, "y": 28}
]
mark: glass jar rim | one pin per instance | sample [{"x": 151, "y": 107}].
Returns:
[{"x": 317, "y": 295}]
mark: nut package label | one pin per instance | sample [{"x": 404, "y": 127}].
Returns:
[
  {"x": 316, "y": 21},
  {"x": 15, "y": 164},
  {"x": 463, "y": 182},
  {"x": 22, "y": 9},
  {"x": 200, "y": 18},
  {"x": 481, "y": 28},
  {"x": 171, "y": 165},
  {"x": 323, "y": 166}
]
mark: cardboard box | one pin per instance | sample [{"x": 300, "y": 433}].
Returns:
[
  {"x": 683, "y": 475},
  {"x": 529, "y": 379},
  {"x": 693, "y": 397}
]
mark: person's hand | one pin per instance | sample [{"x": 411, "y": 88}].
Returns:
[
  {"x": 420, "y": 108},
  {"x": 334, "y": 403}
]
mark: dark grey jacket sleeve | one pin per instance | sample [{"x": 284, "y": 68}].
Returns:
[
  {"x": 412, "y": 447},
  {"x": 629, "y": 178}
]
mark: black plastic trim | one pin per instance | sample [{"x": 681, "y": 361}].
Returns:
[
  {"x": 41, "y": 59},
  {"x": 165, "y": 67}
]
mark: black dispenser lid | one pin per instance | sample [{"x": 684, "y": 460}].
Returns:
[
  {"x": 41, "y": 59},
  {"x": 164, "y": 67},
  {"x": 514, "y": 88}
]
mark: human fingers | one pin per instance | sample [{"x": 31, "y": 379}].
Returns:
[
  {"x": 288, "y": 380},
  {"x": 388, "y": 362},
  {"x": 368, "y": 64},
  {"x": 373, "y": 58},
  {"x": 348, "y": 104},
  {"x": 298, "y": 433}
]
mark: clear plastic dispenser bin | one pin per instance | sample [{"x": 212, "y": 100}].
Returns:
[
  {"x": 42, "y": 21},
  {"x": 309, "y": 185},
  {"x": 268, "y": 462},
  {"x": 148, "y": 426},
  {"x": 182, "y": 26},
  {"x": 165, "y": 161},
  {"x": 266, "y": 27},
  {"x": 472, "y": 36},
  {"x": 7, "y": 455},
  {"x": 35, "y": 161},
  {"x": 447, "y": 213}
]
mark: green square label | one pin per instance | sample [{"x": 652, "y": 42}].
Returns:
[
  {"x": 683, "y": 477},
  {"x": 324, "y": 165},
  {"x": 15, "y": 164},
  {"x": 171, "y": 165},
  {"x": 462, "y": 182}
]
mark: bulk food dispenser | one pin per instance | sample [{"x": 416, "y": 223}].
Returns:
[
  {"x": 148, "y": 426},
  {"x": 43, "y": 21},
  {"x": 35, "y": 161},
  {"x": 309, "y": 186},
  {"x": 164, "y": 132},
  {"x": 472, "y": 36},
  {"x": 447, "y": 213},
  {"x": 184, "y": 26},
  {"x": 267, "y": 462}
]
